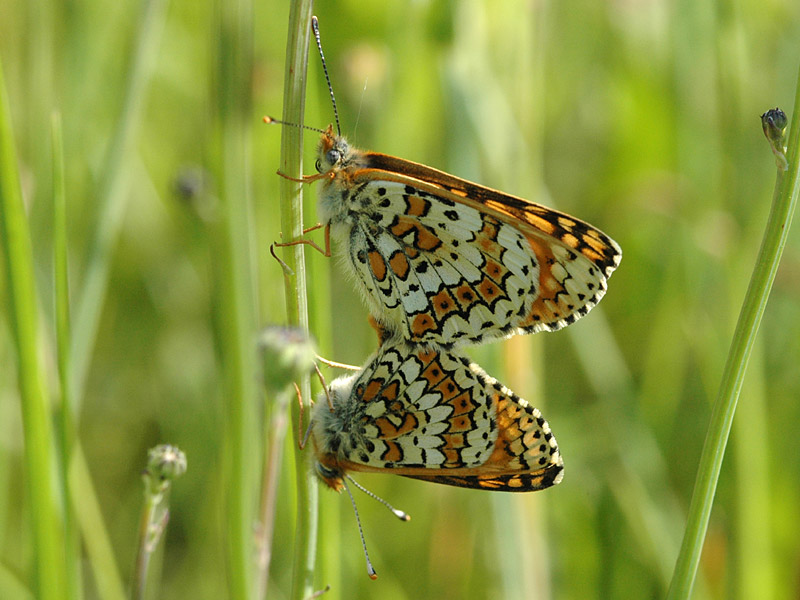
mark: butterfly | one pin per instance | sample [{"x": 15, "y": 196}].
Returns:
[
  {"x": 433, "y": 415},
  {"x": 442, "y": 261}
]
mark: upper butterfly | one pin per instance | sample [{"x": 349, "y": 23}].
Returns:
[{"x": 444, "y": 261}]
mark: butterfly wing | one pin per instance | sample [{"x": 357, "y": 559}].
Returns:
[
  {"x": 434, "y": 416},
  {"x": 444, "y": 261},
  {"x": 438, "y": 271},
  {"x": 574, "y": 258}
]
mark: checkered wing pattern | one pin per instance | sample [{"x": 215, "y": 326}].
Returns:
[
  {"x": 435, "y": 416},
  {"x": 444, "y": 261}
]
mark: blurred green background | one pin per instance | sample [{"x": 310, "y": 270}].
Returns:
[{"x": 640, "y": 117}]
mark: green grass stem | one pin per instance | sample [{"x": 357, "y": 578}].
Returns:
[
  {"x": 236, "y": 291},
  {"x": 291, "y": 208},
  {"x": 275, "y": 424},
  {"x": 165, "y": 463},
  {"x": 787, "y": 187},
  {"x": 40, "y": 452},
  {"x": 145, "y": 553},
  {"x": 95, "y": 536},
  {"x": 754, "y": 554},
  {"x": 64, "y": 424}
]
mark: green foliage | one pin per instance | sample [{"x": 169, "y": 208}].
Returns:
[{"x": 642, "y": 118}]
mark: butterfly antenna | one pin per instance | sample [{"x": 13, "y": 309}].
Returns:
[
  {"x": 403, "y": 516},
  {"x": 370, "y": 571},
  {"x": 272, "y": 120},
  {"x": 315, "y": 27}
]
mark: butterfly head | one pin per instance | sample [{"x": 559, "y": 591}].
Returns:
[
  {"x": 332, "y": 424},
  {"x": 333, "y": 152}
]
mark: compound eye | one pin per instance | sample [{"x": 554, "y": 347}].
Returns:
[
  {"x": 333, "y": 156},
  {"x": 318, "y": 166}
]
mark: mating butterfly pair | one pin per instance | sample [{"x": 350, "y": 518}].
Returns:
[{"x": 443, "y": 262}]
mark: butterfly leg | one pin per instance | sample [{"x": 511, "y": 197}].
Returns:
[
  {"x": 287, "y": 270},
  {"x": 312, "y": 228},
  {"x": 324, "y": 386},
  {"x": 326, "y": 252},
  {"x": 337, "y": 365},
  {"x": 307, "y": 229},
  {"x": 303, "y": 437},
  {"x": 302, "y": 444},
  {"x": 305, "y": 178}
]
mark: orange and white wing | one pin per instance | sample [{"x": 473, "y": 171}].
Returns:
[
  {"x": 434, "y": 416},
  {"x": 442, "y": 261},
  {"x": 575, "y": 259},
  {"x": 436, "y": 271}
]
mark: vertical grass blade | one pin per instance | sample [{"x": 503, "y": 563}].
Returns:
[
  {"x": 66, "y": 433},
  {"x": 96, "y": 539},
  {"x": 777, "y": 230},
  {"x": 40, "y": 456},
  {"x": 111, "y": 193},
  {"x": 291, "y": 207},
  {"x": 755, "y": 540},
  {"x": 236, "y": 292}
]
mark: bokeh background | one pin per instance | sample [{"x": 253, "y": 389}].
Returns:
[{"x": 639, "y": 116}]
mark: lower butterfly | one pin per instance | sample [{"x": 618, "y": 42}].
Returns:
[
  {"x": 432, "y": 415},
  {"x": 442, "y": 261}
]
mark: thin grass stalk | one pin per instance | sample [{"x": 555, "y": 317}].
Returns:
[
  {"x": 754, "y": 566},
  {"x": 291, "y": 208},
  {"x": 165, "y": 464},
  {"x": 286, "y": 354},
  {"x": 40, "y": 454},
  {"x": 236, "y": 291},
  {"x": 66, "y": 431},
  {"x": 94, "y": 535},
  {"x": 145, "y": 553},
  {"x": 787, "y": 188},
  {"x": 275, "y": 423},
  {"x": 111, "y": 194}
]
